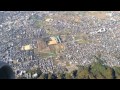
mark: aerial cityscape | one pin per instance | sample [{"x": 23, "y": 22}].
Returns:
[{"x": 61, "y": 44}]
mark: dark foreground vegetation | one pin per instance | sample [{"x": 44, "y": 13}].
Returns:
[{"x": 95, "y": 71}]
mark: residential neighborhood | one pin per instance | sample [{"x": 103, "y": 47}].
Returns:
[{"x": 56, "y": 41}]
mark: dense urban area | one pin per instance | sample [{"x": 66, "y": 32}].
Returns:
[{"x": 61, "y": 44}]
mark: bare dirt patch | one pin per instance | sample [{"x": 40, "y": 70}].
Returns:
[{"x": 98, "y": 14}]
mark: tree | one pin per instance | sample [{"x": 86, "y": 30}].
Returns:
[
  {"x": 90, "y": 76},
  {"x": 39, "y": 72},
  {"x": 61, "y": 76},
  {"x": 45, "y": 76},
  {"x": 109, "y": 73},
  {"x": 68, "y": 76},
  {"x": 83, "y": 74},
  {"x": 49, "y": 76},
  {"x": 41, "y": 76},
  {"x": 101, "y": 71},
  {"x": 74, "y": 74},
  {"x": 117, "y": 72},
  {"x": 54, "y": 76}
]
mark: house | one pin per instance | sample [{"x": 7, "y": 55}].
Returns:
[
  {"x": 35, "y": 75},
  {"x": 26, "y": 47},
  {"x": 54, "y": 40}
]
